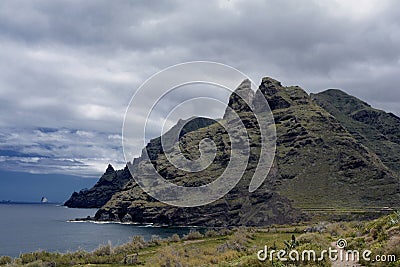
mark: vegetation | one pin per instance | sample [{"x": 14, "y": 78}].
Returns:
[{"x": 236, "y": 247}]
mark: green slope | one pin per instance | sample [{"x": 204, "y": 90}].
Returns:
[{"x": 376, "y": 129}]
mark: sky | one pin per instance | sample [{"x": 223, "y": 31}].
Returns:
[{"x": 68, "y": 69}]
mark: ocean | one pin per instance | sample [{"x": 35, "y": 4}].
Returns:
[{"x": 32, "y": 227}]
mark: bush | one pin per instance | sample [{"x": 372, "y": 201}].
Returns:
[
  {"x": 169, "y": 257},
  {"x": 156, "y": 240},
  {"x": 5, "y": 260},
  {"x": 211, "y": 233},
  {"x": 104, "y": 250},
  {"x": 393, "y": 246},
  {"x": 136, "y": 243},
  {"x": 175, "y": 238},
  {"x": 193, "y": 235},
  {"x": 337, "y": 229}
]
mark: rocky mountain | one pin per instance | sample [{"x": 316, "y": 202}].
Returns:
[
  {"x": 376, "y": 129},
  {"x": 319, "y": 163}
]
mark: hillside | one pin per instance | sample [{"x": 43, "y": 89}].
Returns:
[{"x": 376, "y": 129}]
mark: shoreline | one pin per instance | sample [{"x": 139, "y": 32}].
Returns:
[
  {"x": 237, "y": 246},
  {"x": 92, "y": 220}
]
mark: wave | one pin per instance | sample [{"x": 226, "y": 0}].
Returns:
[{"x": 111, "y": 222}]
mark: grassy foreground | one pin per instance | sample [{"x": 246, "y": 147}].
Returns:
[{"x": 236, "y": 247}]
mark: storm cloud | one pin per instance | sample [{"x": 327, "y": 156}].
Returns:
[{"x": 74, "y": 65}]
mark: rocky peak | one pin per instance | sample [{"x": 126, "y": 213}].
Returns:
[
  {"x": 280, "y": 97},
  {"x": 269, "y": 86},
  {"x": 110, "y": 169},
  {"x": 275, "y": 94},
  {"x": 238, "y": 99}
]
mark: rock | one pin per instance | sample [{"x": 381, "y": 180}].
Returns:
[{"x": 110, "y": 169}]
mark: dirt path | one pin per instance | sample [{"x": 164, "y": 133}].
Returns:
[
  {"x": 186, "y": 242},
  {"x": 343, "y": 262}
]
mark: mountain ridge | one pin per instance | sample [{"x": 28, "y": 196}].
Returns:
[
  {"x": 318, "y": 163},
  {"x": 374, "y": 128}
]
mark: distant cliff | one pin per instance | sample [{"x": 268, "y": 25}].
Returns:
[{"x": 110, "y": 182}]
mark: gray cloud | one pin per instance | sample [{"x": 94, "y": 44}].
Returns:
[
  {"x": 76, "y": 152},
  {"x": 75, "y": 65}
]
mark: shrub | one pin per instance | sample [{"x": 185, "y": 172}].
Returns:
[
  {"x": 175, "y": 238},
  {"x": 224, "y": 231},
  {"x": 169, "y": 257},
  {"x": 138, "y": 239},
  {"x": 103, "y": 250},
  {"x": 337, "y": 229},
  {"x": 211, "y": 233},
  {"x": 28, "y": 257},
  {"x": 192, "y": 235},
  {"x": 156, "y": 240},
  {"x": 136, "y": 243},
  {"x": 393, "y": 246},
  {"x": 5, "y": 260}
]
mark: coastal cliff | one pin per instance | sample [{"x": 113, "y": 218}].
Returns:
[{"x": 320, "y": 162}]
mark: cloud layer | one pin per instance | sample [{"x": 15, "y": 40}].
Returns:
[
  {"x": 61, "y": 151},
  {"x": 70, "y": 65}
]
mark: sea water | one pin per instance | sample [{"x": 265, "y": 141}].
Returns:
[{"x": 32, "y": 227}]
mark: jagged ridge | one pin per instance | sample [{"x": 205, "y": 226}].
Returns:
[{"x": 318, "y": 163}]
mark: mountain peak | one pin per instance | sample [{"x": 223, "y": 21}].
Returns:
[
  {"x": 280, "y": 97},
  {"x": 269, "y": 80},
  {"x": 342, "y": 100},
  {"x": 110, "y": 169},
  {"x": 240, "y": 100},
  {"x": 269, "y": 86},
  {"x": 335, "y": 91},
  {"x": 246, "y": 83}
]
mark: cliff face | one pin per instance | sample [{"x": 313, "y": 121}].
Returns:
[
  {"x": 320, "y": 162},
  {"x": 376, "y": 129},
  {"x": 110, "y": 182}
]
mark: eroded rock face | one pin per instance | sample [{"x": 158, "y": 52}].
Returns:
[
  {"x": 111, "y": 182},
  {"x": 318, "y": 163}
]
